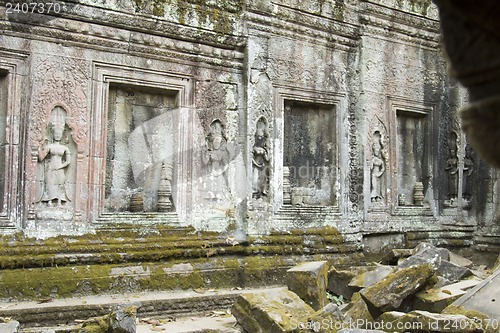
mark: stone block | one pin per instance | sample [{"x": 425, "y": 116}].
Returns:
[
  {"x": 309, "y": 281},
  {"x": 338, "y": 280},
  {"x": 437, "y": 299},
  {"x": 429, "y": 256},
  {"x": 12, "y": 326},
  {"x": 326, "y": 320},
  {"x": 123, "y": 320},
  {"x": 395, "y": 255},
  {"x": 452, "y": 272},
  {"x": 271, "y": 311},
  {"x": 358, "y": 310},
  {"x": 460, "y": 261},
  {"x": 391, "y": 291},
  {"x": 370, "y": 278},
  {"x": 443, "y": 253},
  {"x": 423, "y": 321},
  {"x": 484, "y": 297}
]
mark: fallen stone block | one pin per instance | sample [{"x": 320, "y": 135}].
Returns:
[
  {"x": 12, "y": 326},
  {"x": 460, "y": 261},
  {"x": 326, "y": 320},
  {"x": 485, "y": 297},
  {"x": 423, "y": 321},
  {"x": 309, "y": 281},
  {"x": 443, "y": 253},
  {"x": 370, "y": 278},
  {"x": 123, "y": 320},
  {"x": 391, "y": 291},
  {"x": 357, "y": 310},
  {"x": 395, "y": 255},
  {"x": 487, "y": 324},
  {"x": 437, "y": 299},
  {"x": 452, "y": 272},
  {"x": 429, "y": 256},
  {"x": 271, "y": 311},
  {"x": 338, "y": 280}
]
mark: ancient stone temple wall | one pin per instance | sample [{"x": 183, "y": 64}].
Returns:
[{"x": 242, "y": 117}]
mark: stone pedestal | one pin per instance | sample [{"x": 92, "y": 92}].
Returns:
[{"x": 309, "y": 280}]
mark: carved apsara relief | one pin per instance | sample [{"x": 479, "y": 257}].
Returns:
[
  {"x": 378, "y": 163},
  {"x": 56, "y": 168},
  {"x": 467, "y": 176},
  {"x": 452, "y": 171},
  {"x": 261, "y": 157},
  {"x": 216, "y": 161}
]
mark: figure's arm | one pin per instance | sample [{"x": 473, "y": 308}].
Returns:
[
  {"x": 43, "y": 152},
  {"x": 382, "y": 168},
  {"x": 67, "y": 160}
]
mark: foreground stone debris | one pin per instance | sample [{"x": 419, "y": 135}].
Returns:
[
  {"x": 423, "y": 321},
  {"x": 430, "y": 291},
  {"x": 119, "y": 321},
  {"x": 309, "y": 281},
  {"x": 10, "y": 327},
  {"x": 273, "y": 311},
  {"x": 485, "y": 297},
  {"x": 437, "y": 299},
  {"x": 390, "y": 292}
]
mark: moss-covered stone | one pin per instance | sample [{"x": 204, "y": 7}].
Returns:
[
  {"x": 485, "y": 322},
  {"x": 389, "y": 293},
  {"x": 79, "y": 265},
  {"x": 272, "y": 311}
]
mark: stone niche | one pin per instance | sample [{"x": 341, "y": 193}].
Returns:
[
  {"x": 140, "y": 148},
  {"x": 3, "y": 139},
  {"x": 412, "y": 156},
  {"x": 310, "y": 152}
]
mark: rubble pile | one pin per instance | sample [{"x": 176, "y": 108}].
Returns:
[{"x": 425, "y": 289}]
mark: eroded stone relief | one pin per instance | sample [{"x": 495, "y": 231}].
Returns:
[
  {"x": 60, "y": 80},
  {"x": 56, "y": 168},
  {"x": 56, "y": 158},
  {"x": 216, "y": 161},
  {"x": 377, "y": 170},
  {"x": 261, "y": 158},
  {"x": 467, "y": 178},
  {"x": 452, "y": 171}
]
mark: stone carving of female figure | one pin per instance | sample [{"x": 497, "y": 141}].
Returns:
[
  {"x": 260, "y": 160},
  {"x": 377, "y": 170},
  {"x": 467, "y": 172},
  {"x": 216, "y": 158},
  {"x": 57, "y": 157},
  {"x": 452, "y": 170}
]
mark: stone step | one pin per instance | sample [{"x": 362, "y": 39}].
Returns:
[{"x": 179, "y": 306}]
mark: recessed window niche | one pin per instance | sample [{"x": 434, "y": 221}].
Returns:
[
  {"x": 140, "y": 147},
  {"x": 310, "y": 152},
  {"x": 412, "y": 152},
  {"x": 3, "y": 140}
]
